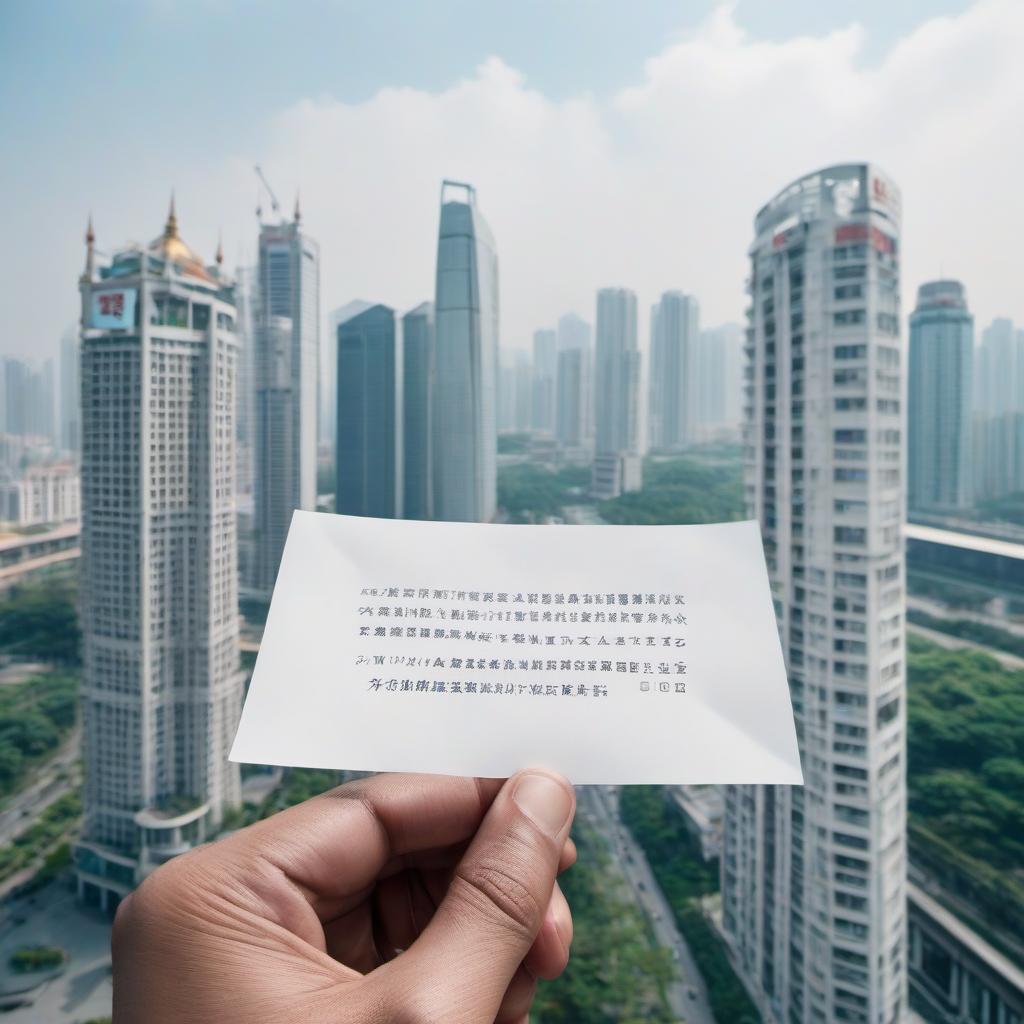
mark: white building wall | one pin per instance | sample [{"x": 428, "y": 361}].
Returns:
[{"x": 814, "y": 878}]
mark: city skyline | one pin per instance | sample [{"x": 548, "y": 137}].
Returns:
[{"x": 849, "y": 88}]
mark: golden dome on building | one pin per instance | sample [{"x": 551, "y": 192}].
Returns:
[{"x": 170, "y": 248}]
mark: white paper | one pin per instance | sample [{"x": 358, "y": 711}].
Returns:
[{"x": 694, "y": 692}]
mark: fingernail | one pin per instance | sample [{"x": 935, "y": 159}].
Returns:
[{"x": 545, "y": 801}]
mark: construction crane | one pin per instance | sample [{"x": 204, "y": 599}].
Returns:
[{"x": 274, "y": 205}]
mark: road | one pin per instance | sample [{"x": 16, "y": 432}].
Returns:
[
  {"x": 600, "y": 804},
  {"x": 52, "y": 780},
  {"x": 955, "y": 643}
]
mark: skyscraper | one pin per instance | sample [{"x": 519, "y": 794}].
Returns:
[
  {"x": 574, "y": 408},
  {"x": 70, "y": 399},
  {"x": 247, "y": 304},
  {"x": 814, "y": 877},
  {"x": 161, "y": 686},
  {"x": 573, "y": 332},
  {"x": 287, "y": 347},
  {"x": 940, "y": 399},
  {"x": 672, "y": 404},
  {"x": 617, "y": 466},
  {"x": 999, "y": 411},
  {"x": 719, "y": 381},
  {"x": 545, "y": 369},
  {"x": 369, "y": 444},
  {"x": 17, "y": 391},
  {"x": 418, "y": 404},
  {"x": 466, "y": 362},
  {"x": 515, "y": 398}
]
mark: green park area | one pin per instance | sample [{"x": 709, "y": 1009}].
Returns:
[
  {"x": 39, "y": 622},
  {"x": 972, "y": 630},
  {"x": 35, "y": 717},
  {"x": 966, "y": 781},
  {"x": 683, "y": 490},
  {"x": 705, "y": 487},
  {"x": 530, "y": 493},
  {"x": 685, "y": 879},
  {"x": 616, "y": 972}
]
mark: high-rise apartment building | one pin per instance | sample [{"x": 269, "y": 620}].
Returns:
[
  {"x": 545, "y": 372},
  {"x": 617, "y": 465},
  {"x": 515, "y": 391},
  {"x": 161, "y": 687},
  {"x": 814, "y": 877},
  {"x": 369, "y": 444},
  {"x": 573, "y": 411},
  {"x": 247, "y": 305},
  {"x": 999, "y": 411},
  {"x": 16, "y": 381},
  {"x": 418, "y": 405},
  {"x": 287, "y": 346},
  {"x": 673, "y": 394},
  {"x": 68, "y": 407},
  {"x": 719, "y": 381},
  {"x": 466, "y": 361},
  {"x": 29, "y": 401},
  {"x": 574, "y": 408},
  {"x": 940, "y": 400}
]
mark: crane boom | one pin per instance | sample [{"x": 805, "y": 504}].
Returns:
[{"x": 274, "y": 205}]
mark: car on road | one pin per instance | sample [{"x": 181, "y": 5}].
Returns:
[
  {"x": 691, "y": 992},
  {"x": 643, "y": 888}
]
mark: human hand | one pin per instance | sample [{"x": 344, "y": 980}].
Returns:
[{"x": 399, "y": 899}]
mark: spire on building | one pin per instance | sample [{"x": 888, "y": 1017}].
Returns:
[
  {"x": 171, "y": 227},
  {"x": 90, "y": 256},
  {"x": 220, "y": 249},
  {"x": 298, "y": 212}
]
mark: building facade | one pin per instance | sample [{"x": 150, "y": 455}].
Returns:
[
  {"x": 719, "y": 382},
  {"x": 286, "y": 328},
  {"x": 940, "y": 400},
  {"x": 814, "y": 877},
  {"x": 617, "y": 466},
  {"x": 369, "y": 416},
  {"x": 673, "y": 395},
  {"x": 417, "y": 412},
  {"x": 41, "y": 494},
  {"x": 161, "y": 686},
  {"x": 574, "y": 385},
  {"x": 465, "y": 436},
  {"x": 998, "y": 448},
  {"x": 545, "y": 374},
  {"x": 68, "y": 411}
]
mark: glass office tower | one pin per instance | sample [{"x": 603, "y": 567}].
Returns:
[
  {"x": 369, "y": 415},
  {"x": 940, "y": 400},
  {"x": 466, "y": 361}
]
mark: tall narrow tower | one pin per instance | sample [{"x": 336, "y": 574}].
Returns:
[
  {"x": 814, "y": 878},
  {"x": 287, "y": 350},
  {"x": 369, "y": 415},
  {"x": 617, "y": 466},
  {"x": 940, "y": 400},
  {"x": 161, "y": 686},
  {"x": 466, "y": 362},
  {"x": 673, "y": 403}
]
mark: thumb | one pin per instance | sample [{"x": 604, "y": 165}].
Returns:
[{"x": 495, "y": 905}]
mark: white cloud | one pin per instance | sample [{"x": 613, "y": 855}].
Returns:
[{"x": 652, "y": 188}]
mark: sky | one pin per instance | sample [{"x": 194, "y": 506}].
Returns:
[{"x": 610, "y": 143}]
